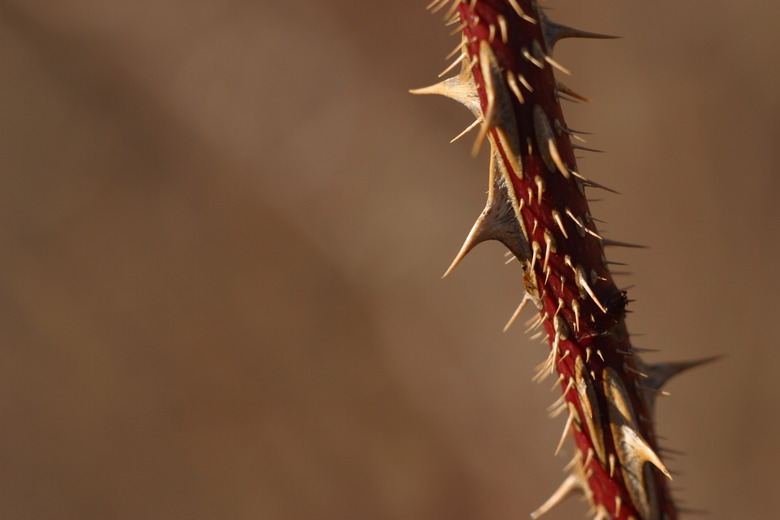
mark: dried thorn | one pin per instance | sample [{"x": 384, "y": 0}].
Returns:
[
  {"x": 566, "y": 91},
  {"x": 558, "y": 402},
  {"x": 535, "y": 249},
  {"x": 635, "y": 371},
  {"x": 498, "y": 220},
  {"x": 572, "y": 131},
  {"x": 530, "y": 57},
  {"x": 535, "y": 320},
  {"x": 454, "y": 51},
  {"x": 468, "y": 129},
  {"x": 555, "y": 413},
  {"x": 575, "y": 305},
  {"x": 600, "y": 513},
  {"x": 592, "y": 184},
  {"x": 569, "y": 465},
  {"x": 514, "y": 87},
  {"x": 557, "y": 382},
  {"x": 545, "y": 139},
  {"x": 585, "y": 148},
  {"x": 526, "y": 299},
  {"x": 496, "y": 94},
  {"x": 491, "y": 33},
  {"x": 557, "y": 218},
  {"x": 540, "y": 185},
  {"x": 461, "y": 88},
  {"x": 535, "y": 325},
  {"x": 582, "y": 283},
  {"x": 442, "y": 3},
  {"x": 638, "y": 449},
  {"x": 588, "y": 458},
  {"x": 564, "y": 97},
  {"x": 653, "y": 391},
  {"x": 554, "y": 32},
  {"x": 607, "y": 243},
  {"x": 569, "y": 486},
  {"x": 557, "y": 65},
  {"x": 503, "y": 28},
  {"x": 592, "y": 233},
  {"x": 566, "y": 431},
  {"x": 520, "y": 12},
  {"x": 660, "y": 373},
  {"x": 561, "y": 401},
  {"x": 525, "y": 83},
  {"x": 453, "y": 65},
  {"x": 549, "y": 242},
  {"x": 611, "y": 464},
  {"x": 453, "y": 9},
  {"x": 459, "y": 28},
  {"x": 453, "y": 20}
]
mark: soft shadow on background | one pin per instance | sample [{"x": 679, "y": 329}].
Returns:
[{"x": 223, "y": 226}]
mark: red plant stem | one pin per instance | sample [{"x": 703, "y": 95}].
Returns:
[{"x": 538, "y": 209}]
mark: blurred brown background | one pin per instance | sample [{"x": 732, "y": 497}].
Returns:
[{"x": 223, "y": 225}]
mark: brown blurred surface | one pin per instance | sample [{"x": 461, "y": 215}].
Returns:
[{"x": 223, "y": 226}]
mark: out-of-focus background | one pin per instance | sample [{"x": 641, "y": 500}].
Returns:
[{"x": 222, "y": 230}]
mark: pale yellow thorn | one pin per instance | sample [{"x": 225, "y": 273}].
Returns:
[
  {"x": 442, "y": 3},
  {"x": 566, "y": 431},
  {"x": 556, "y": 157},
  {"x": 520, "y": 12},
  {"x": 459, "y": 28},
  {"x": 514, "y": 87},
  {"x": 611, "y": 464},
  {"x": 549, "y": 247},
  {"x": 453, "y": 64},
  {"x": 557, "y": 218},
  {"x": 460, "y": 47},
  {"x": 569, "y": 486},
  {"x": 526, "y": 299},
  {"x": 639, "y": 448},
  {"x": 503, "y": 28},
  {"x": 528, "y": 56},
  {"x": 582, "y": 282},
  {"x": 557, "y": 65},
  {"x": 467, "y": 130},
  {"x": 525, "y": 82}
]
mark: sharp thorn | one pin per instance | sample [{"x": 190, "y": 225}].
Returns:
[
  {"x": 526, "y": 299},
  {"x": 554, "y": 32},
  {"x": 607, "y": 242},
  {"x": 659, "y": 373},
  {"x": 569, "y": 486},
  {"x": 563, "y": 89},
  {"x": 467, "y": 130}
]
